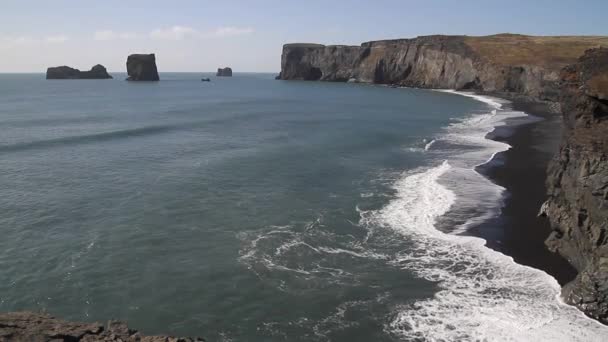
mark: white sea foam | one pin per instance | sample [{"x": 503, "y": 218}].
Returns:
[
  {"x": 484, "y": 295},
  {"x": 429, "y": 144},
  {"x": 492, "y": 101}
]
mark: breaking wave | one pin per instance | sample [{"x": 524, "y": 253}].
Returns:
[{"x": 483, "y": 295}]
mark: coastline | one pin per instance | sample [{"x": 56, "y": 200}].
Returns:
[{"x": 518, "y": 231}]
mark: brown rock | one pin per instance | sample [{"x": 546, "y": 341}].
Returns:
[{"x": 39, "y": 327}]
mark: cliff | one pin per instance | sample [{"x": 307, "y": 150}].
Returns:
[
  {"x": 142, "y": 67},
  {"x": 578, "y": 183},
  {"x": 29, "y": 326},
  {"x": 506, "y": 63},
  {"x": 65, "y": 72},
  {"x": 224, "y": 72}
]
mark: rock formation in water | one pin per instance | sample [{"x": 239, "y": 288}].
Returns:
[
  {"x": 505, "y": 63},
  {"x": 578, "y": 183},
  {"x": 29, "y": 326},
  {"x": 65, "y": 72},
  {"x": 141, "y": 67},
  {"x": 224, "y": 72}
]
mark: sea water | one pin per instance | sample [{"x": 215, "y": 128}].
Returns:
[{"x": 249, "y": 209}]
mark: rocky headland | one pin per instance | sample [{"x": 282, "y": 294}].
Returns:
[
  {"x": 142, "y": 67},
  {"x": 67, "y": 73},
  {"x": 546, "y": 69},
  {"x": 30, "y": 326},
  {"x": 505, "y": 63},
  {"x": 224, "y": 72}
]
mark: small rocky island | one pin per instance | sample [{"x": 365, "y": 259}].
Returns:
[
  {"x": 142, "y": 67},
  {"x": 31, "y": 326},
  {"x": 67, "y": 73},
  {"x": 224, "y": 72}
]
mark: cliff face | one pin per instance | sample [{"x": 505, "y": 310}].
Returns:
[
  {"x": 502, "y": 63},
  {"x": 141, "y": 67},
  {"x": 29, "y": 326},
  {"x": 65, "y": 72},
  {"x": 578, "y": 183}
]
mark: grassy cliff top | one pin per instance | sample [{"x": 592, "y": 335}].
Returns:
[{"x": 546, "y": 51}]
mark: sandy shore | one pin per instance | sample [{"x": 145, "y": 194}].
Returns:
[{"x": 518, "y": 232}]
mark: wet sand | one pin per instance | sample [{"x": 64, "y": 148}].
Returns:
[{"x": 517, "y": 231}]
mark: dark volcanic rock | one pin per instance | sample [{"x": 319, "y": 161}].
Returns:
[
  {"x": 29, "y": 326},
  {"x": 225, "y": 72},
  {"x": 142, "y": 68},
  {"x": 578, "y": 183},
  {"x": 501, "y": 63},
  {"x": 65, "y": 72}
]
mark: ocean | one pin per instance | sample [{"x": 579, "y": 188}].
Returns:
[{"x": 250, "y": 209}]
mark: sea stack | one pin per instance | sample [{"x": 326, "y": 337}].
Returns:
[
  {"x": 224, "y": 72},
  {"x": 67, "y": 73},
  {"x": 142, "y": 67}
]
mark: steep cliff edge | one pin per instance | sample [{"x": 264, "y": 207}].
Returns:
[
  {"x": 506, "y": 63},
  {"x": 578, "y": 183}
]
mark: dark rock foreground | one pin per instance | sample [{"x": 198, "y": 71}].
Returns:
[
  {"x": 142, "y": 67},
  {"x": 578, "y": 183},
  {"x": 224, "y": 72},
  {"x": 37, "y": 327},
  {"x": 65, "y": 72}
]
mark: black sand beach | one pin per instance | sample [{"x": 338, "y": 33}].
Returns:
[{"x": 517, "y": 231}]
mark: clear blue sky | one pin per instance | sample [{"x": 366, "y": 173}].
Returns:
[{"x": 198, "y": 35}]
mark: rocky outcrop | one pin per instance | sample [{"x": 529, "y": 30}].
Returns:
[
  {"x": 141, "y": 67},
  {"x": 578, "y": 183},
  {"x": 65, "y": 72},
  {"x": 29, "y": 326},
  {"x": 502, "y": 63},
  {"x": 224, "y": 72}
]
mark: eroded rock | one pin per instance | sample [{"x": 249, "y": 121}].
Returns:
[
  {"x": 30, "y": 326},
  {"x": 142, "y": 67},
  {"x": 65, "y": 72}
]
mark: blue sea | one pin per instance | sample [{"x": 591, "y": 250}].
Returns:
[{"x": 250, "y": 209}]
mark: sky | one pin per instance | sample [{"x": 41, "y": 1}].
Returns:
[{"x": 199, "y": 35}]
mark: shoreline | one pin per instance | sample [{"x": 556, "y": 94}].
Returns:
[{"x": 517, "y": 231}]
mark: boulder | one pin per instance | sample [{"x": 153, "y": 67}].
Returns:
[
  {"x": 142, "y": 67},
  {"x": 224, "y": 72},
  {"x": 67, "y": 73}
]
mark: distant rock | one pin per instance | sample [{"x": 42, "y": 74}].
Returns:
[
  {"x": 142, "y": 67},
  {"x": 30, "y": 326},
  {"x": 206, "y": 79},
  {"x": 67, "y": 73},
  {"x": 224, "y": 72}
]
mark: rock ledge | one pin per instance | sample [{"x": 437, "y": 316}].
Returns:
[{"x": 30, "y": 326}]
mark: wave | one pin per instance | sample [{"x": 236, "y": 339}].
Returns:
[
  {"x": 429, "y": 144},
  {"x": 84, "y": 139},
  {"x": 483, "y": 294}
]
